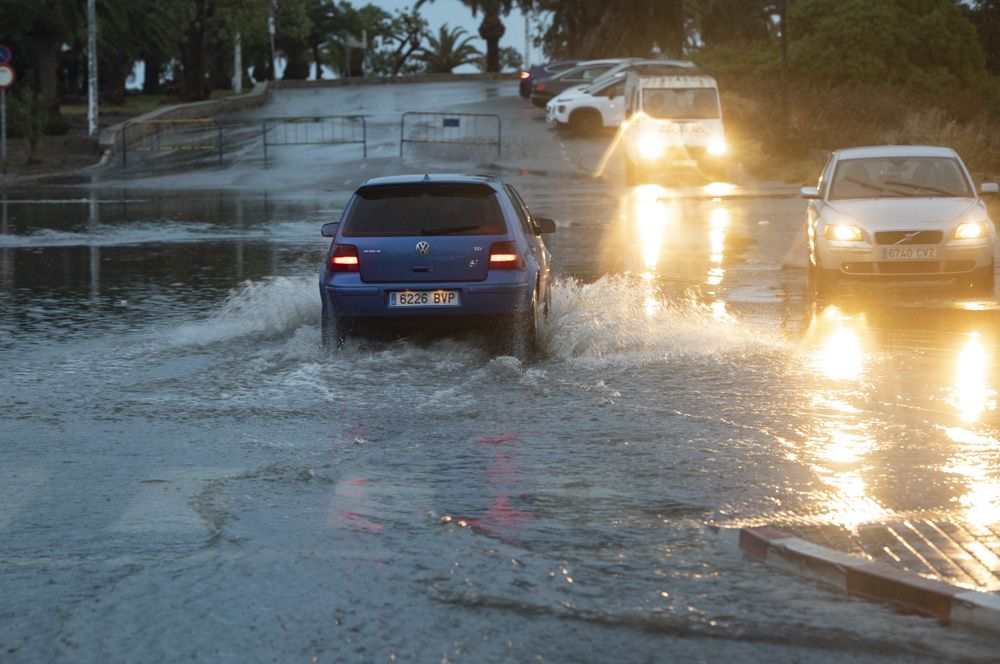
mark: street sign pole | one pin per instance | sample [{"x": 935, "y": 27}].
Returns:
[
  {"x": 92, "y": 111},
  {"x": 3, "y": 128},
  {"x": 7, "y": 78}
]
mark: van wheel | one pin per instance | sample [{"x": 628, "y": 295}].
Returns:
[{"x": 585, "y": 122}]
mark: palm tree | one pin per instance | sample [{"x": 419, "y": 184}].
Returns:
[
  {"x": 446, "y": 51},
  {"x": 492, "y": 28}
]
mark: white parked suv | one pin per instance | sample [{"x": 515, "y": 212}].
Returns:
[
  {"x": 673, "y": 119},
  {"x": 586, "y": 109},
  {"x": 899, "y": 212}
]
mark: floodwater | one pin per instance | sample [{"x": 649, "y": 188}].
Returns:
[{"x": 188, "y": 475}]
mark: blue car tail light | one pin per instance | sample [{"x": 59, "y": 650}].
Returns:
[
  {"x": 344, "y": 259},
  {"x": 505, "y": 256}
]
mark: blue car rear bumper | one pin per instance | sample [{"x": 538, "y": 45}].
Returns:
[{"x": 476, "y": 300}]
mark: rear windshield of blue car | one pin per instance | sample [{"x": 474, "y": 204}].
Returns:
[{"x": 425, "y": 209}]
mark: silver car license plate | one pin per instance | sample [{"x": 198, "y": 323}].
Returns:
[{"x": 909, "y": 253}]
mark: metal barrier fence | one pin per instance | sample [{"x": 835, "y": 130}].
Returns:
[
  {"x": 315, "y": 130},
  {"x": 449, "y": 128},
  {"x": 189, "y": 134}
]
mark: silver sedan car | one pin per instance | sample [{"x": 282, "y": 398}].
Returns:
[{"x": 902, "y": 213}]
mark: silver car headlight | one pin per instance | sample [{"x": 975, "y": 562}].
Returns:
[
  {"x": 972, "y": 230},
  {"x": 843, "y": 233}
]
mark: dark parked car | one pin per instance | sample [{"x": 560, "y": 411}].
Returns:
[
  {"x": 582, "y": 74},
  {"x": 542, "y": 72}
]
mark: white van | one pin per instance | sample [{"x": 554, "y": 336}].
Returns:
[
  {"x": 587, "y": 109},
  {"x": 672, "y": 121}
]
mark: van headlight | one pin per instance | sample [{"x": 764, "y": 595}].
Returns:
[
  {"x": 971, "y": 230},
  {"x": 651, "y": 145},
  {"x": 843, "y": 233},
  {"x": 717, "y": 147}
]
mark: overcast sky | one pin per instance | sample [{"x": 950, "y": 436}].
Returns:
[{"x": 454, "y": 13}]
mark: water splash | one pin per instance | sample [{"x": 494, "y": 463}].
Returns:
[
  {"x": 275, "y": 305},
  {"x": 611, "y": 318}
]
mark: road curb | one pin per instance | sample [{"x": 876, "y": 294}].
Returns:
[{"x": 878, "y": 581}]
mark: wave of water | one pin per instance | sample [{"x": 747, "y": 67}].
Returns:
[
  {"x": 623, "y": 317},
  {"x": 613, "y": 319},
  {"x": 273, "y": 306}
]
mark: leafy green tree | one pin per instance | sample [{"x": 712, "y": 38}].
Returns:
[
  {"x": 732, "y": 23},
  {"x": 510, "y": 58},
  {"x": 347, "y": 22},
  {"x": 399, "y": 39},
  {"x": 595, "y": 28},
  {"x": 985, "y": 15},
  {"x": 292, "y": 37},
  {"x": 911, "y": 42},
  {"x": 492, "y": 28},
  {"x": 37, "y": 29},
  {"x": 448, "y": 50}
]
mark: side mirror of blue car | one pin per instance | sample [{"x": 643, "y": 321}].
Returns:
[
  {"x": 330, "y": 229},
  {"x": 545, "y": 225}
]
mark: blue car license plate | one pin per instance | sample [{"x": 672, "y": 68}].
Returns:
[{"x": 435, "y": 298}]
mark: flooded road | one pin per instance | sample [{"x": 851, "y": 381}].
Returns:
[{"x": 187, "y": 474}]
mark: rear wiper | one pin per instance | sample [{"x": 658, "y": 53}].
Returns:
[
  {"x": 869, "y": 185},
  {"x": 921, "y": 187},
  {"x": 448, "y": 230}
]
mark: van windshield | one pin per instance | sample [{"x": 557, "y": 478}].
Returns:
[
  {"x": 680, "y": 103},
  {"x": 425, "y": 209}
]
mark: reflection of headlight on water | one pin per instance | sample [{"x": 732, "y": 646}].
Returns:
[
  {"x": 717, "y": 147},
  {"x": 839, "y": 352},
  {"x": 652, "y": 215},
  {"x": 972, "y": 394}
]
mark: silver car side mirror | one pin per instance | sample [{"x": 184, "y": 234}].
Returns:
[
  {"x": 809, "y": 192},
  {"x": 989, "y": 188}
]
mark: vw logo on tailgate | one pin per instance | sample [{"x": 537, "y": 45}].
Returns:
[{"x": 423, "y": 248}]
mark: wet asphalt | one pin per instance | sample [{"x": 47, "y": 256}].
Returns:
[{"x": 188, "y": 474}]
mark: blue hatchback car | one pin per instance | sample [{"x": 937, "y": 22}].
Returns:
[{"x": 419, "y": 252}]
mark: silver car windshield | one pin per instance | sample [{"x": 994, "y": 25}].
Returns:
[{"x": 899, "y": 177}]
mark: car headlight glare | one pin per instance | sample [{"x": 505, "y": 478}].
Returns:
[
  {"x": 717, "y": 147},
  {"x": 971, "y": 230},
  {"x": 843, "y": 233},
  {"x": 650, "y": 145}
]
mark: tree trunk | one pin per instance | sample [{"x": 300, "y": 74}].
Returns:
[
  {"x": 43, "y": 51},
  {"x": 296, "y": 68},
  {"x": 678, "y": 35},
  {"x": 152, "y": 65},
  {"x": 491, "y": 30},
  {"x": 194, "y": 56},
  {"x": 111, "y": 80},
  {"x": 318, "y": 61}
]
